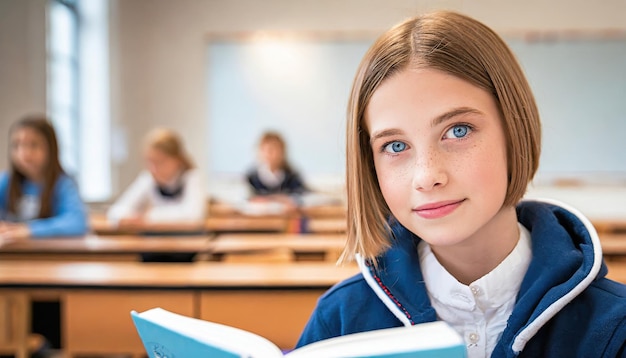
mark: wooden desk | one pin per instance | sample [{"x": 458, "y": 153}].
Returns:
[
  {"x": 299, "y": 247},
  {"x": 216, "y": 208},
  {"x": 224, "y": 217},
  {"x": 274, "y": 300},
  {"x": 196, "y": 275},
  {"x": 320, "y": 219},
  {"x": 108, "y": 248},
  {"x": 234, "y": 223},
  {"x": 327, "y": 225},
  {"x": 101, "y": 226},
  {"x": 329, "y": 246},
  {"x": 334, "y": 210},
  {"x": 617, "y": 271},
  {"x": 609, "y": 225},
  {"x": 337, "y": 211},
  {"x": 240, "y": 223},
  {"x": 613, "y": 244}
]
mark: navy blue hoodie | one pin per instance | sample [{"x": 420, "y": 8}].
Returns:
[{"x": 565, "y": 307}]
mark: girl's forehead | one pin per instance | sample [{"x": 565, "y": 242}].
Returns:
[
  {"x": 424, "y": 96},
  {"x": 271, "y": 143},
  {"x": 27, "y": 133},
  {"x": 155, "y": 152}
]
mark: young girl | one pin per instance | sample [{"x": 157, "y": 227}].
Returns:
[
  {"x": 37, "y": 198},
  {"x": 170, "y": 190},
  {"x": 443, "y": 137},
  {"x": 274, "y": 175}
]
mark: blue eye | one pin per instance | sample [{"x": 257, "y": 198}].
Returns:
[
  {"x": 458, "y": 131},
  {"x": 394, "y": 147}
]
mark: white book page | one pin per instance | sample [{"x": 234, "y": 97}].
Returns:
[{"x": 394, "y": 340}]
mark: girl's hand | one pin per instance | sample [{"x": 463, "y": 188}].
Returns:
[
  {"x": 10, "y": 232},
  {"x": 132, "y": 222}
]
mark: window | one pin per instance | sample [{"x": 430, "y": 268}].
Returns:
[
  {"x": 78, "y": 91},
  {"x": 63, "y": 83}
]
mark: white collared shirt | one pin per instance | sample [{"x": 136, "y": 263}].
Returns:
[
  {"x": 479, "y": 312},
  {"x": 269, "y": 178},
  {"x": 142, "y": 198}
]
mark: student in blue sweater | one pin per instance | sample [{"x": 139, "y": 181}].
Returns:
[
  {"x": 443, "y": 137},
  {"x": 37, "y": 198}
]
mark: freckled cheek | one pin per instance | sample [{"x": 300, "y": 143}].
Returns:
[
  {"x": 484, "y": 168},
  {"x": 394, "y": 181}
]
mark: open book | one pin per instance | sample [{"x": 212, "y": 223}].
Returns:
[{"x": 166, "y": 334}]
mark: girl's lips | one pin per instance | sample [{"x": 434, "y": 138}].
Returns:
[{"x": 438, "y": 209}]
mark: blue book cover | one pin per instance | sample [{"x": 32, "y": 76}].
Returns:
[{"x": 170, "y": 335}]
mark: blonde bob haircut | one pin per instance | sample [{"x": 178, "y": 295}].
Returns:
[
  {"x": 460, "y": 46},
  {"x": 169, "y": 143}
]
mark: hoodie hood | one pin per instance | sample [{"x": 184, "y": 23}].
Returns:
[{"x": 567, "y": 258}]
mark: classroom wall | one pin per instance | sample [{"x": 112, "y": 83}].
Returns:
[
  {"x": 22, "y": 63},
  {"x": 158, "y": 51},
  {"x": 162, "y": 46}
]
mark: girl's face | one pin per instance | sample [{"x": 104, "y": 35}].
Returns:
[
  {"x": 440, "y": 155},
  {"x": 29, "y": 152},
  {"x": 271, "y": 153},
  {"x": 163, "y": 167}
]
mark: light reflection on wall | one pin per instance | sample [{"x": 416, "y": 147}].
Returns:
[{"x": 298, "y": 86}]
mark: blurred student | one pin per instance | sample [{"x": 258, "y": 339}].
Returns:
[
  {"x": 273, "y": 176},
  {"x": 37, "y": 199},
  {"x": 169, "y": 191},
  {"x": 168, "y": 196}
]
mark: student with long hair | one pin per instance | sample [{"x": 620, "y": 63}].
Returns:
[
  {"x": 169, "y": 190},
  {"x": 37, "y": 198},
  {"x": 443, "y": 137}
]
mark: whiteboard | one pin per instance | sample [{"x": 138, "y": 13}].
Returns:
[
  {"x": 301, "y": 88},
  {"x": 580, "y": 88}
]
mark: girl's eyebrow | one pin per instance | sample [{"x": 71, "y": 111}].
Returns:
[
  {"x": 453, "y": 113},
  {"x": 435, "y": 122},
  {"x": 385, "y": 133}
]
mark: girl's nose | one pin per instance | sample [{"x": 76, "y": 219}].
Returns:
[
  {"x": 429, "y": 172},
  {"x": 23, "y": 153}
]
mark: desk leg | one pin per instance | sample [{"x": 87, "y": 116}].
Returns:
[{"x": 14, "y": 323}]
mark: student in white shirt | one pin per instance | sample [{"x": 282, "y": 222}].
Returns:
[
  {"x": 273, "y": 180},
  {"x": 169, "y": 191},
  {"x": 443, "y": 136}
]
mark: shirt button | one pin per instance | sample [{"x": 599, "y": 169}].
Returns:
[
  {"x": 475, "y": 290},
  {"x": 473, "y": 338}
]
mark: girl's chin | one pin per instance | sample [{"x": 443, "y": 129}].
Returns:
[{"x": 29, "y": 173}]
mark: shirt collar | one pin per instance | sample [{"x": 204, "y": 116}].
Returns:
[
  {"x": 268, "y": 177},
  {"x": 496, "y": 288}
]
